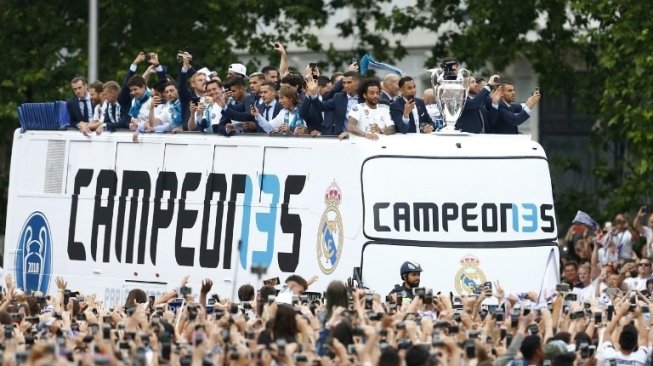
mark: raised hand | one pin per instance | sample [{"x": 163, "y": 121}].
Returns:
[{"x": 206, "y": 286}]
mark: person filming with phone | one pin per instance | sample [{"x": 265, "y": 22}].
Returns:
[{"x": 409, "y": 112}]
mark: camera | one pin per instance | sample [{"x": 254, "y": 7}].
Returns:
[
  {"x": 470, "y": 348},
  {"x": 514, "y": 318},
  {"x": 571, "y": 297},
  {"x": 456, "y": 317},
  {"x": 313, "y": 67},
  {"x": 196, "y": 101},
  {"x": 368, "y": 301},
  {"x": 148, "y": 56},
  {"x": 373, "y": 316},
  {"x": 428, "y": 297},
  {"x": 450, "y": 68},
  {"x": 165, "y": 346},
  {"x": 499, "y": 316},
  {"x": 598, "y": 318},
  {"x": 106, "y": 331},
  {"x": 281, "y": 347},
  {"x": 180, "y": 57},
  {"x": 562, "y": 287}
]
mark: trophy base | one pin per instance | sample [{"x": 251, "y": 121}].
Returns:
[{"x": 449, "y": 128}]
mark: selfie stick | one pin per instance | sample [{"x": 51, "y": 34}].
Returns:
[{"x": 548, "y": 262}]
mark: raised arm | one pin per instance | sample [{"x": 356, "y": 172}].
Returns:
[{"x": 283, "y": 64}]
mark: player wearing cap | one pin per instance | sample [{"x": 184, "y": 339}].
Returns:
[
  {"x": 410, "y": 273},
  {"x": 238, "y": 70}
]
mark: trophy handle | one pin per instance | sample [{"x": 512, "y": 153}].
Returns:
[{"x": 437, "y": 75}]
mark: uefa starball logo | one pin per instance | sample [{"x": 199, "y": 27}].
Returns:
[{"x": 34, "y": 255}]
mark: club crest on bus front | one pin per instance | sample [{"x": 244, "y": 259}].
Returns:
[
  {"x": 469, "y": 276},
  {"x": 330, "y": 233}
]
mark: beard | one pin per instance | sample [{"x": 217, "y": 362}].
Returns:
[{"x": 413, "y": 284}]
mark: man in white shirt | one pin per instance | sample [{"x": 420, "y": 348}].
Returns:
[
  {"x": 215, "y": 103},
  {"x": 586, "y": 292},
  {"x": 429, "y": 100},
  {"x": 622, "y": 235},
  {"x": 141, "y": 99},
  {"x": 629, "y": 354},
  {"x": 390, "y": 88},
  {"x": 643, "y": 274},
  {"x": 370, "y": 119},
  {"x": 165, "y": 113},
  {"x": 645, "y": 230}
]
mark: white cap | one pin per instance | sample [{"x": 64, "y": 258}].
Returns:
[
  {"x": 238, "y": 69},
  {"x": 204, "y": 71}
]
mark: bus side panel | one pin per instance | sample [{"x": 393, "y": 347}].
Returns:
[{"x": 139, "y": 215}]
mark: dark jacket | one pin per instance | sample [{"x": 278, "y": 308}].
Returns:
[
  {"x": 474, "y": 118},
  {"x": 397, "y": 114},
  {"x": 508, "y": 118}
]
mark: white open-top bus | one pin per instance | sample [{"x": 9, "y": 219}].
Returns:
[{"x": 110, "y": 215}]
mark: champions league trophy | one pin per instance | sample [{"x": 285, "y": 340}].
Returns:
[{"x": 451, "y": 91}]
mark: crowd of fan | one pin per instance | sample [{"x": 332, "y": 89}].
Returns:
[
  {"x": 286, "y": 324},
  {"x": 283, "y": 101}
]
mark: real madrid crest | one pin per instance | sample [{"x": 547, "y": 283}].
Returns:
[
  {"x": 469, "y": 276},
  {"x": 330, "y": 234}
]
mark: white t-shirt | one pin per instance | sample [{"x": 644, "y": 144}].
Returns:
[
  {"x": 367, "y": 116},
  {"x": 607, "y": 352},
  {"x": 624, "y": 243},
  {"x": 285, "y": 116},
  {"x": 144, "y": 112},
  {"x": 585, "y": 293},
  {"x": 98, "y": 111},
  {"x": 636, "y": 283},
  {"x": 648, "y": 234},
  {"x": 608, "y": 255},
  {"x": 433, "y": 111}
]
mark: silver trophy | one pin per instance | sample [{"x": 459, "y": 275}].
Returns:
[{"x": 451, "y": 93}]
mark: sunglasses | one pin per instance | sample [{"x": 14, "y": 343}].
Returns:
[{"x": 645, "y": 264}]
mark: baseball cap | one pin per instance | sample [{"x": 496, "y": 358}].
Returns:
[
  {"x": 554, "y": 348},
  {"x": 238, "y": 69},
  {"x": 204, "y": 71}
]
